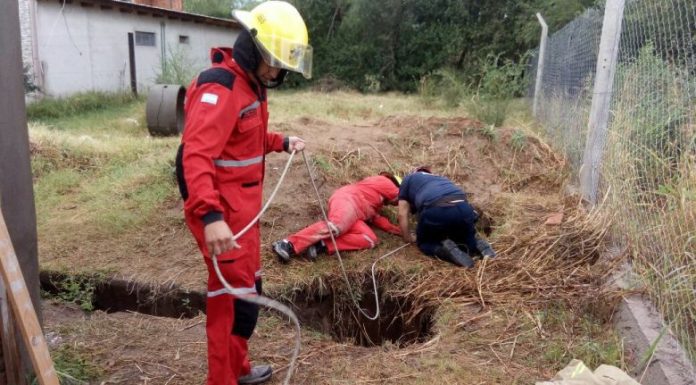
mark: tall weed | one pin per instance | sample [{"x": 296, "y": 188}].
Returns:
[
  {"x": 498, "y": 85},
  {"x": 177, "y": 68},
  {"x": 447, "y": 85}
]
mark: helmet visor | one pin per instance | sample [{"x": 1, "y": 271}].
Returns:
[{"x": 286, "y": 54}]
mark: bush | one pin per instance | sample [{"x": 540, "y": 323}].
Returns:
[
  {"x": 177, "y": 68},
  {"x": 446, "y": 84},
  {"x": 29, "y": 85}
]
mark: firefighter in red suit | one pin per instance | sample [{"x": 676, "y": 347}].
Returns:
[
  {"x": 220, "y": 170},
  {"x": 351, "y": 207}
]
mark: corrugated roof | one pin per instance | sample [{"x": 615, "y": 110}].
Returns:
[{"x": 156, "y": 12}]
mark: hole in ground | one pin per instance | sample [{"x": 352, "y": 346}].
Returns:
[
  {"x": 327, "y": 307},
  {"x": 114, "y": 295}
]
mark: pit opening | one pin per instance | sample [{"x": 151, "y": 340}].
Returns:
[
  {"x": 114, "y": 295},
  {"x": 328, "y": 308}
]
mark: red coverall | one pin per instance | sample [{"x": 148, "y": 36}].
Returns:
[
  {"x": 220, "y": 170},
  {"x": 350, "y": 207}
]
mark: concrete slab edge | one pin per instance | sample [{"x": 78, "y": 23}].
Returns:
[{"x": 640, "y": 324}]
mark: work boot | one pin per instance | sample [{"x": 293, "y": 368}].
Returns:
[
  {"x": 450, "y": 252},
  {"x": 258, "y": 375},
  {"x": 316, "y": 249},
  {"x": 485, "y": 248},
  {"x": 284, "y": 250}
]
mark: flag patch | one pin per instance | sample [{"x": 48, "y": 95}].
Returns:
[{"x": 209, "y": 98}]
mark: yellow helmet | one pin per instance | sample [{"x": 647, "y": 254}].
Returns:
[
  {"x": 280, "y": 34},
  {"x": 394, "y": 178}
]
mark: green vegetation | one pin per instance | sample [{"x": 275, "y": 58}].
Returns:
[
  {"x": 651, "y": 174},
  {"x": 54, "y": 108},
  {"x": 177, "y": 68},
  {"x": 29, "y": 85},
  {"x": 78, "y": 290},
  {"x": 594, "y": 346},
  {"x": 74, "y": 367},
  {"x": 217, "y": 8},
  {"x": 393, "y": 44},
  {"x": 518, "y": 139},
  {"x": 84, "y": 166}
]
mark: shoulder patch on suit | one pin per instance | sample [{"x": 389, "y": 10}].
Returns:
[{"x": 216, "y": 75}]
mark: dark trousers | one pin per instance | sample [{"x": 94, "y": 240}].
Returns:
[{"x": 456, "y": 222}]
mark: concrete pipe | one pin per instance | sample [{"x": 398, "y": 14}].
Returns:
[{"x": 165, "y": 109}]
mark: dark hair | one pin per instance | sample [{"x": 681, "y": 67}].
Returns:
[{"x": 422, "y": 169}]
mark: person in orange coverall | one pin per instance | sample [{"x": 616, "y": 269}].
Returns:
[
  {"x": 351, "y": 207},
  {"x": 220, "y": 171}
]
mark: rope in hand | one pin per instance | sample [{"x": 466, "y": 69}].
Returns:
[
  {"x": 260, "y": 299},
  {"x": 338, "y": 254}
]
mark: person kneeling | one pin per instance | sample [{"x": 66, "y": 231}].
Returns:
[
  {"x": 351, "y": 208},
  {"x": 446, "y": 221}
]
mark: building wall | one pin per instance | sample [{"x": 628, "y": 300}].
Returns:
[
  {"x": 25, "y": 27},
  {"x": 87, "y": 49}
]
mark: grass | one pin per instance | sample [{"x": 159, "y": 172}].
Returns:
[
  {"x": 55, "y": 108},
  {"x": 76, "y": 289},
  {"x": 73, "y": 366},
  {"x": 650, "y": 173},
  {"x": 86, "y": 184},
  {"x": 344, "y": 106}
]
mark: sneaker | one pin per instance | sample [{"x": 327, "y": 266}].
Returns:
[
  {"x": 284, "y": 250},
  {"x": 316, "y": 249},
  {"x": 449, "y": 251},
  {"x": 258, "y": 375},
  {"x": 485, "y": 248}
]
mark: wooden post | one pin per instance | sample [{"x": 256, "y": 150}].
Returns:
[
  {"x": 601, "y": 99},
  {"x": 540, "y": 62},
  {"x": 24, "y": 310},
  {"x": 131, "y": 61},
  {"x": 10, "y": 346},
  {"x": 16, "y": 187}
]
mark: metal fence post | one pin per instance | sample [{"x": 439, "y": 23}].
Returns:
[
  {"x": 601, "y": 99},
  {"x": 540, "y": 62}
]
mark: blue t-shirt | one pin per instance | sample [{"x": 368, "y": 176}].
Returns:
[{"x": 421, "y": 189}]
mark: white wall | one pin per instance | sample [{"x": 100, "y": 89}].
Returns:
[
  {"x": 86, "y": 48},
  {"x": 25, "y": 26}
]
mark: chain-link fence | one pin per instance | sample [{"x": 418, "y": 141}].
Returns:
[{"x": 648, "y": 169}]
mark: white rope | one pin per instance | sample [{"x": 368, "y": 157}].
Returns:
[
  {"x": 262, "y": 300},
  {"x": 338, "y": 253},
  {"x": 275, "y": 305}
]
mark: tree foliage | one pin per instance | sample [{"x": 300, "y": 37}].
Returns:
[
  {"x": 393, "y": 44},
  {"x": 217, "y": 8}
]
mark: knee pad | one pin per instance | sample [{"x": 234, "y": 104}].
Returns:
[{"x": 246, "y": 315}]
